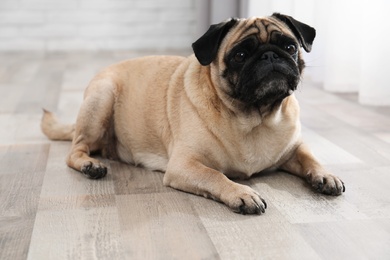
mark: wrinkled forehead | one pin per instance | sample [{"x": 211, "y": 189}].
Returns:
[{"x": 262, "y": 28}]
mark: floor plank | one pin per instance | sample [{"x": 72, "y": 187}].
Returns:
[
  {"x": 358, "y": 239},
  {"x": 21, "y": 175},
  {"x": 91, "y": 233},
  {"x": 163, "y": 226}
]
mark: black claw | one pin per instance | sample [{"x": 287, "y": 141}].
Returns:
[
  {"x": 85, "y": 170},
  {"x": 343, "y": 186},
  {"x": 265, "y": 204},
  {"x": 320, "y": 186},
  {"x": 88, "y": 167},
  {"x": 242, "y": 208},
  {"x": 258, "y": 208}
]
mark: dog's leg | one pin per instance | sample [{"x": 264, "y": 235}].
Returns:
[
  {"x": 91, "y": 126},
  {"x": 303, "y": 164},
  {"x": 194, "y": 177}
]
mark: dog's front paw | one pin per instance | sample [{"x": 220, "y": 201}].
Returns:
[
  {"x": 326, "y": 183},
  {"x": 94, "y": 170},
  {"x": 244, "y": 200}
]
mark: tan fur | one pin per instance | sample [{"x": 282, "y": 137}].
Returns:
[
  {"x": 55, "y": 130},
  {"x": 171, "y": 114}
]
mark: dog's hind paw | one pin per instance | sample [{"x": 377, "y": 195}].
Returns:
[{"x": 94, "y": 170}]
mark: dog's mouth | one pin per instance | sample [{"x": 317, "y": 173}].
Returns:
[
  {"x": 273, "y": 88},
  {"x": 269, "y": 85}
]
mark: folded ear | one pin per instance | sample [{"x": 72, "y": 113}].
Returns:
[
  {"x": 206, "y": 47},
  {"x": 303, "y": 32}
]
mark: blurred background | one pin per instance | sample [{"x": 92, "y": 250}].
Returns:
[{"x": 350, "y": 54}]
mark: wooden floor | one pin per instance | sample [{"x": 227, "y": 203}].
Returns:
[{"x": 48, "y": 211}]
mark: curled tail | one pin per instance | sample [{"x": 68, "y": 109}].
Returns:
[{"x": 55, "y": 130}]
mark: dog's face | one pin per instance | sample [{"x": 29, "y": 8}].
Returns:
[{"x": 259, "y": 59}]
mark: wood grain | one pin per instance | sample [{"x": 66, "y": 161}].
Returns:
[
  {"x": 21, "y": 174},
  {"x": 163, "y": 226}
]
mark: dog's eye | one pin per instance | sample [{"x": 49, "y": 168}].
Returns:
[
  {"x": 291, "y": 49},
  {"x": 240, "y": 57}
]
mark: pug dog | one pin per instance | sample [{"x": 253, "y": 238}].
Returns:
[{"x": 227, "y": 111}]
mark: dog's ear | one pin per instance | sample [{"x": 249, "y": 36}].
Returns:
[
  {"x": 206, "y": 47},
  {"x": 303, "y": 32}
]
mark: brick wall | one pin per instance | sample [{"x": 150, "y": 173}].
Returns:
[{"x": 52, "y": 25}]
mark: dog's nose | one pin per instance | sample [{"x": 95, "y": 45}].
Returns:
[{"x": 269, "y": 56}]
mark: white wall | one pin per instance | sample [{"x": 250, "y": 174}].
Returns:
[
  {"x": 96, "y": 24},
  {"x": 215, "y": 11},
  {"x": 374, "y": 84}
]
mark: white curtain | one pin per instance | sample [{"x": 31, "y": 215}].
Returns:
[{"x": 352, "y": 50}]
